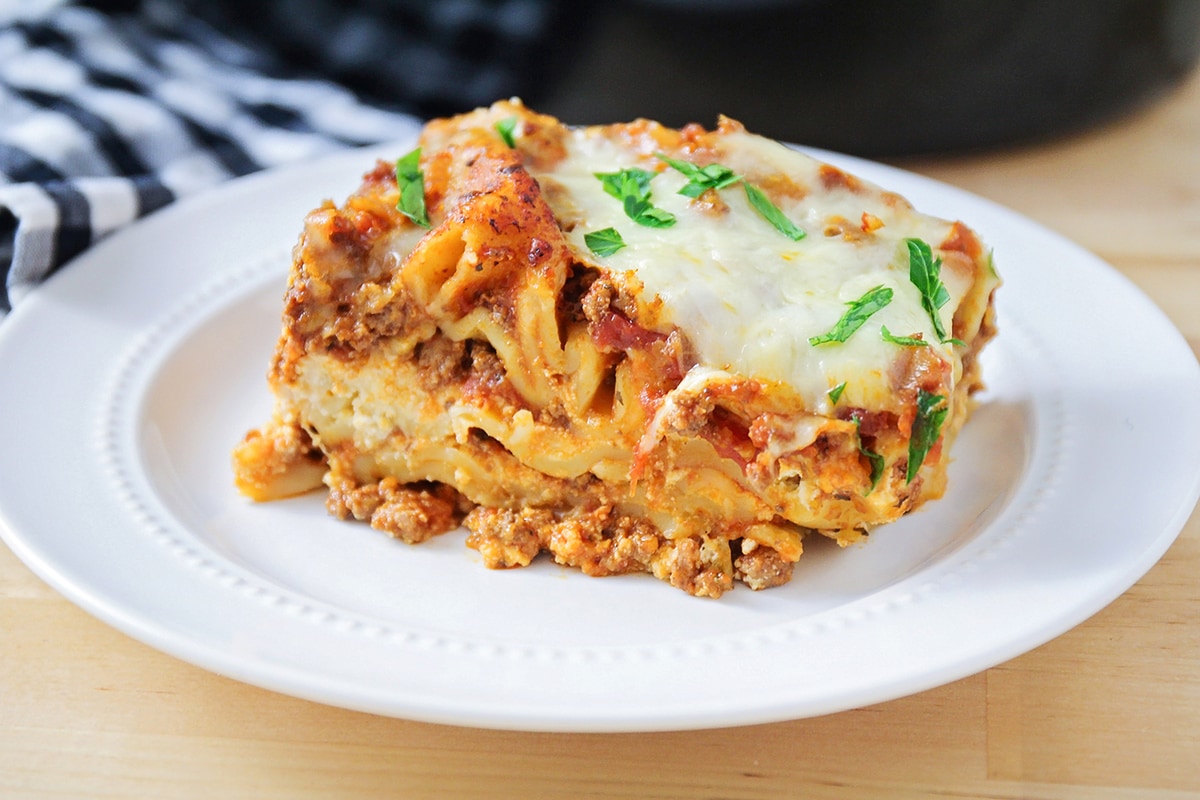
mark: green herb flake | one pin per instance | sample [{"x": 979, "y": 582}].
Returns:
[
  {"x": 643, "y": 212},
  {"x": 927, "y": 427},
  {"x": 507, "y": 128},
  {"x": 875, "y": 459},
  {"x": 411, "y": 181},
  {"x": 604, "y": 242},
  {"x": 905, "y": 341},
  {"x": 925, "y": 272},
  {"x": 771, "y": 213},
  {"x": 835, "y": 393},
  {"x": 718, "y": 176},
  {"x": 701, "y": 179},
  {"x": 859, "y": 312},
  {"x": 630, "y": 180},
  {"x": 632, "y": 187}
]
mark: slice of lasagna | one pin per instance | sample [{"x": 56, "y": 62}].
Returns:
[{"x": 634, "y": 348}]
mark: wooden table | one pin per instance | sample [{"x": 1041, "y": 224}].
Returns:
[{"x": 1108, "y": 710}]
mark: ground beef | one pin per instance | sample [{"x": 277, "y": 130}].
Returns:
[
  {"x": 412, "y": 513},
  {"x": 603, "y": 543},
  {"x": 762, "y": 568},
  {"x": 507, "y": 538},
  {"x": 598, "y": 542},
  {"x": 696, "y": 566}
]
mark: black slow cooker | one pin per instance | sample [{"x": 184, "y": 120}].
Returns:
[{"x": 872, "y": 77}]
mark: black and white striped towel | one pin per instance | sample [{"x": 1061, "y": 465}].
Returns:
[{"x": 107, "y": 116}]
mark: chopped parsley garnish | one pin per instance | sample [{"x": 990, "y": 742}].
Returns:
[
  {"x": 926, "y": 428},
  {"x": 906, "y": 341},
  {"x": 643, "y": 212},
  {"x": 771, "y": 213},
  {"x": 875, "y": 459},
  {"x": 925, "y": 272},
  {"x": 507, "y": 129},
  {"x": 835, "y": 393},
  {"x": 717, "y": 176},
  {"x": 860, "y": 310},
  {"x": 615, "y": 183},
  {"x": 701, "y": 179},
  {"x": 411, "y": 181},
  {"x": 604, "y": 242},
  {"x": 632, "y": 187}
]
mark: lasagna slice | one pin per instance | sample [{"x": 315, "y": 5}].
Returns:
[{"x": 634, "y": 348}]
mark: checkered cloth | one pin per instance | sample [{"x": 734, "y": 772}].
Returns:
[{"x": 106, "y": 116}]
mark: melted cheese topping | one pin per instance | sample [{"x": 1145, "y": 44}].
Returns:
[{"x": 749, "y": 297}]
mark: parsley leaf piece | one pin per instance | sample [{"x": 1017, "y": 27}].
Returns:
[
  {"x": 771, "y": 213},
  {"x": 411, "y": 181},
  {"x": 604, "y": 242},
  {"x": 632, "y": 187},
  {"x": 507, "y": 129},
  {"x": 701, "y": 179},
  {"x": 925, "y": 272},
  {"x": 643, "y": 212},
  {"x": 835, "y": 393},
  {"x": 630, "y": 180},
  {"x": 858, "y": 313},
  {"x": 876, "y": 460},
  {"x": 926, "y": 428},
  {"x": 905, "y": 341}
]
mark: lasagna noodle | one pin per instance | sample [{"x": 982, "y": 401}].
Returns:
[{"x": 658, "y": 409}]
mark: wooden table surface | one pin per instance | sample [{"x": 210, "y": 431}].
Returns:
[{"x": 1109, "y": 710}]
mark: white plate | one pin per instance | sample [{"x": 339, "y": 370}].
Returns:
[{"x": 129, "y": 376}]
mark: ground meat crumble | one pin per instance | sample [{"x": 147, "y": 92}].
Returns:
[
  {"x": 604, "y": 542},
  {"x": 411, "y": 513}
]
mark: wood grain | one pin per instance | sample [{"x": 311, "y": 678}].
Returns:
[{"x": 1108, "y": 710}]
